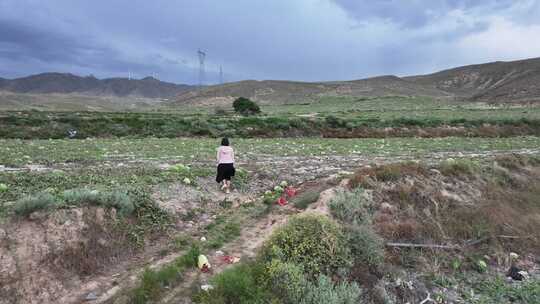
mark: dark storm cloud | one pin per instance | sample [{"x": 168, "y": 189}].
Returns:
[{"x": 280, "y": 39}]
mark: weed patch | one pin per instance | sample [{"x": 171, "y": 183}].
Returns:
[
  {"x": 304, "y": 199},
  {"x": 30, "y": 204},
  {"x": 312, "y": 241},
  {"x": 154, "y": 282}
]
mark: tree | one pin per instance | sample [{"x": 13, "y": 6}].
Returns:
[{"x": 245, "y": 106}]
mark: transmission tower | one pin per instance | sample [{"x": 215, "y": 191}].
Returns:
[
  {"x": 220, "y": 75},
  {"x": 202, "y": 56}
]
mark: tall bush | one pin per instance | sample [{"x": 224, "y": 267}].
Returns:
[
  {"x": 311, "y": 241},
  {"x": 245, "y": 106}
]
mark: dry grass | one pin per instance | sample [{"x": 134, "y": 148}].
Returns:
[
  {"x": 385, "y": 173},
  {"x": 102, "y": 244},
  {"x": 507, "y": 214},
  {"x": 503, "y": 211}
]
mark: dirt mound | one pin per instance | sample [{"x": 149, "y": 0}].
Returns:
[{"x": 48, "y": 255}]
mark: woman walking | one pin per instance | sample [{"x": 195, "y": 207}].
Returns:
[{"x": 225, "y": 168}]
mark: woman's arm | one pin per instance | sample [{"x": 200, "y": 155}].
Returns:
[
  {"x": 232, "y": 155},
  {"x": 217, "y": 156}
]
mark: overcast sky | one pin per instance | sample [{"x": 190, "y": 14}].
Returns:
[{"x": 307, "y": 40}]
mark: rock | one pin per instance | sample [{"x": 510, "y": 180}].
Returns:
[
  {"x": 207, "y": 287},
  {"x": 435, "y": 171},
  {"x": 3, "y": 233},
  {"x": 203, "y": 239},
  {"x": 516, "y": 273},
  {"x": 91, "y": 297},
  {"x": 102, "y": 242},
  {"x": 387, "y": 208}
]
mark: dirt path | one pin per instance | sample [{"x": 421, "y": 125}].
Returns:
[{"x": 251, "y": 239}]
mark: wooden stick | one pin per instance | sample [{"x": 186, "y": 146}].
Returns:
[
  {"x": 514, "y": 237},
  {"x": 435, "y": 246}
]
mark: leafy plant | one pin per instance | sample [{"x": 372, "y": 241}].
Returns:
[
  {"x": 236, "y": 285},
  {"x": 303, "y": 200},
  {"x": 119, "y": 200},
  {"x": 366, "y": 246},
  {"x": 351, "y": 207},
  {"x": 286, "y": 280},
  {"x": 153, "y": 282},
  {"x": 324, "y": 291},
  {"x": 311, "y": 241},
  {"x": 245, "y": 106},
  {"x": 29, "y": 204}
]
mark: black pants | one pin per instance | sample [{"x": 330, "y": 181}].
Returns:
[{"x": 224, "y": 172}]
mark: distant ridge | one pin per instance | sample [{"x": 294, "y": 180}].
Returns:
[
  {"x": 499, "y": 81},
  {"x": 147, "y": 87},
  {"x": 514, "y": 81}
]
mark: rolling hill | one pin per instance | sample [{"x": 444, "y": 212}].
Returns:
[
  {"x": 514, "y": 81},
  {"x": 496, "y": 82},
  {"x": 283, "y": 92}
]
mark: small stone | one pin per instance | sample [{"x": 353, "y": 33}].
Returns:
[
  {"x": 102, "y": 242},
  {"x": 91, "y": 297},
  {"x": 220, "y": 253},
  {"x": 207, "y": 287},
  {"x": 387, "y": 208},
  {"x": 203, "y": 239}
]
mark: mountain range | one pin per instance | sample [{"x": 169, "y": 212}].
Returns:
[
  {"x": 514, "y": 81},
  {"x": 148, "y": 87}
]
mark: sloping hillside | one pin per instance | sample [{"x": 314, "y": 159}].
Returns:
[
  {"x": 516, "y": 81},
  {"x": 280, "y": 92},
  {"x": 491, "y": 82},
  {"x": 68, "y": 83}
]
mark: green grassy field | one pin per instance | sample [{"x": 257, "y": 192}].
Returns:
[
  {"x": 327, "y": 116},
  {"x": 20, "y": 152}
]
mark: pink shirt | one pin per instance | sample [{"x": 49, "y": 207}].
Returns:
[{"x": 225, "y": 155}]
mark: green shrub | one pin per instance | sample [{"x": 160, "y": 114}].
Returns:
[
  {"x": 453, "y": 167},
  {"x": 119, "y": 200},
  {"x": 334, "y": 122},
  {"x": 312, "y": 241},
  {"x": 351, "y": 207},
  {"x": 116, "y": 199},
  {"x": 221, "y": 232},
  {"x": 190, "y": 258},
  {"x": 366, "y": 246},
  {"x": 497, "y": 291},
  {"x": 153, "y": 282},
  {"x": 303, "y": 200},
  {"x": 236, "y": 285},
  {"x": 245, "y": 106},
  {"x": 29, "y": 204},
  {"x": 286, "y": 280},
  {"x": 324, "y": 291},
  {"x": 78, "y": 197}
]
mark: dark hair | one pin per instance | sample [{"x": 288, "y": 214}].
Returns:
[{"x": 225, "y": 141}]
